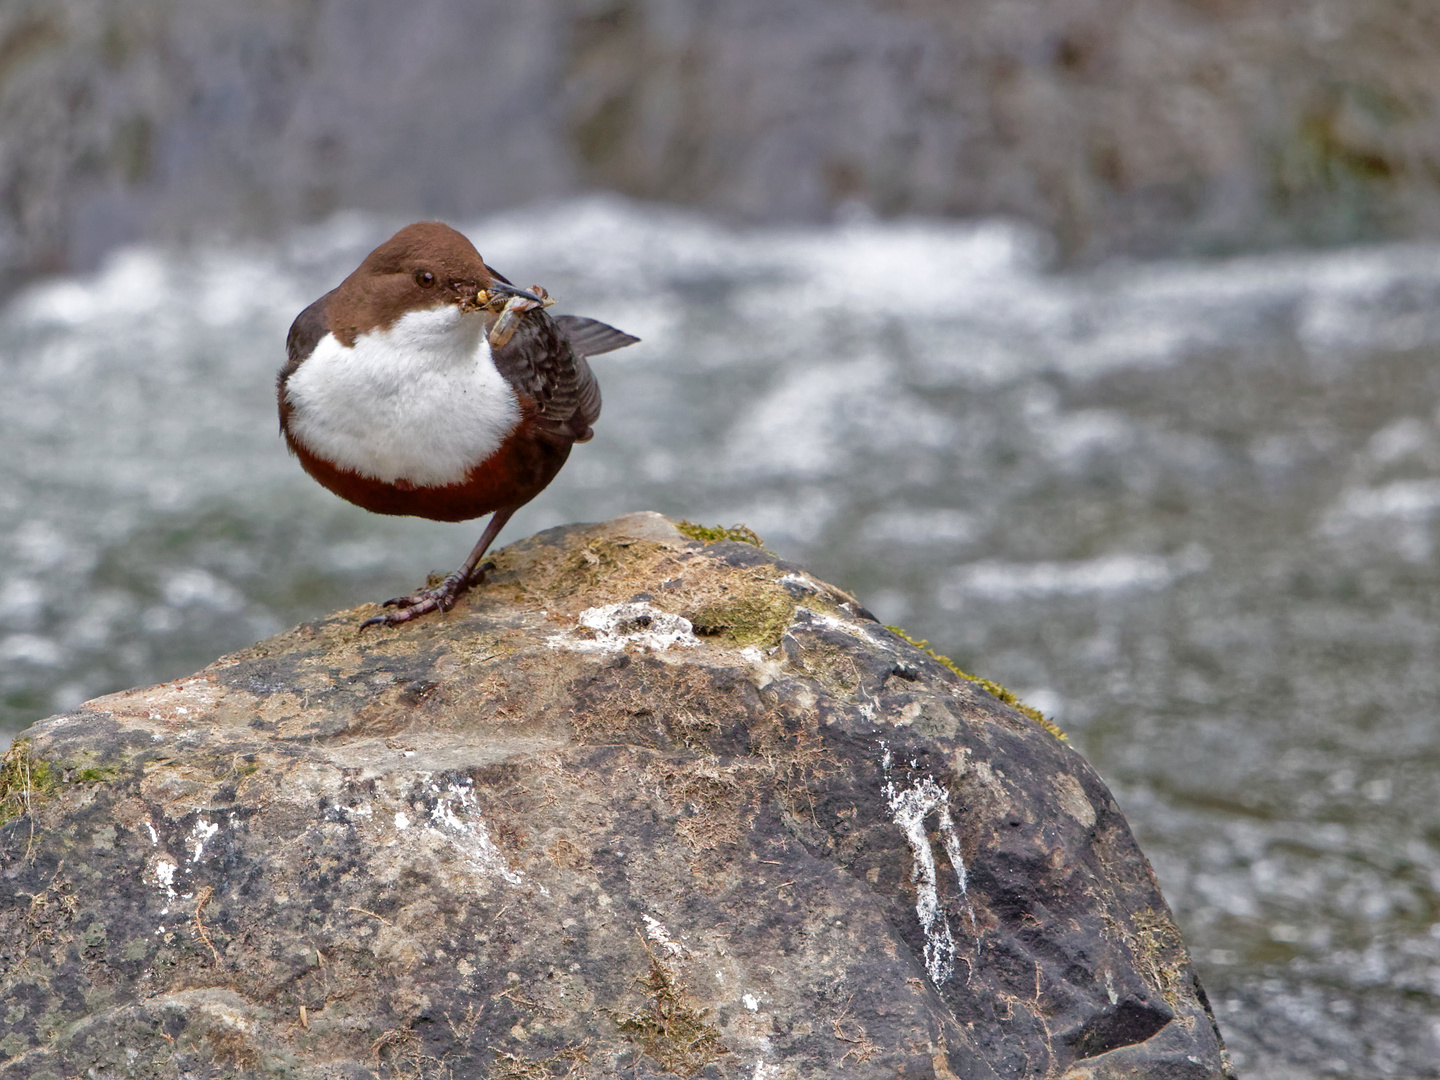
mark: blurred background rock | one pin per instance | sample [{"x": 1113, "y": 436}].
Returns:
[{"x": 1118, "y": 126}]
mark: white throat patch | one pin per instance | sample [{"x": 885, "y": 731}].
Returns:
[{"x": 420, "y": 402}]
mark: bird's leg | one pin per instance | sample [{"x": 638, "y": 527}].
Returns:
[{"x": 443, "y": 596}]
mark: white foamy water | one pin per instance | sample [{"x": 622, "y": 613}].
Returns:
[{"x": 1190, "y": 507}]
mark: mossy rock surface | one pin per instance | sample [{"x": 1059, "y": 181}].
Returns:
[{"x": 557, "y": 832}]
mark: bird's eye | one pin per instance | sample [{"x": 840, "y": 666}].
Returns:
[{"x": 424, "y": 278}]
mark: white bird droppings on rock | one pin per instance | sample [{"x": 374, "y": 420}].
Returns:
[
  {"x": 453, "y": 820},
  {"x": 910, "y": 807},
  {"x": 165, "y": 879},
  {"x": 616, "y": 627},
  {"x": 202, "y": 832},
  {"x": 809, "y": 617},
  {"x": 658, "y": 934}
]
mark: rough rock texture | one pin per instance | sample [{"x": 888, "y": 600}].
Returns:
[
  {"x": 640, "y": 807},
  {"x": 1120, "y": 125}
]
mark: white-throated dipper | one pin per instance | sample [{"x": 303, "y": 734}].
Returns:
[{"x": 426, "y": 384}]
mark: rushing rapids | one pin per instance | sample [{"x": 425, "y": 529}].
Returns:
[{"x": 1188, "y": 509}]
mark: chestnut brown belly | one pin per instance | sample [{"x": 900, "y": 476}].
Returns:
[{"x": 513, "y": 475}]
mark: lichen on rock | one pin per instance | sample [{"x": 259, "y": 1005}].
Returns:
[{"x": 591, "y": 822}]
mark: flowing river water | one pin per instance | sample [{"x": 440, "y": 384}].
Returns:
[{"x": 1189, "y": 509}]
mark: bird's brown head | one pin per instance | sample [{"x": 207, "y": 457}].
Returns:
[{"x": 425, "y": 265}]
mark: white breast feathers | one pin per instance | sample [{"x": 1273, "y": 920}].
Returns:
[{"x": 420, "y": 402}]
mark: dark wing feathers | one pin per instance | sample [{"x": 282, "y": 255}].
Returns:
[
  {"x": 545, "y": 362},
  {"x": 305, "y": 333},
  {"x": 590, "y": 337},
  {"x": 539, "y": 364},
  {"x": 589, "y": 391}
]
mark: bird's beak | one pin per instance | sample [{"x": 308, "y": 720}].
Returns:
[{"x": 502, "y": 289}]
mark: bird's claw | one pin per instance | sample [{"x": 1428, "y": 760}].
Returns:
[{"x": 440, "y": 598}]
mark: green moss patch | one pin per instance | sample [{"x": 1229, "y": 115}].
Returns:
[
  {"x": 750, "y": 618},
  {"x": 670, "y": 1030},
  {"x": 992, "y": 688},
  {"x": 710, "y": 535},
  {"x": 25, "y": 780}
]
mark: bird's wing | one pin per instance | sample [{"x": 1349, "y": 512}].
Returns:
[
  {"x": 545, "y": 371},
  {"x": 589, "y": 393},
  {"x": 305, "y": 333}
]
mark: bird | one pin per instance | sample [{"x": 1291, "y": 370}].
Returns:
[{"x": 426, "y": 384}]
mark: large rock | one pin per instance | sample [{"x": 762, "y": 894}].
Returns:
[{"x": 640, "y": 806}]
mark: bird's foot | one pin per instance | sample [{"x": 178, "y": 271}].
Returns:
[{"x": 441, "y": 597}]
